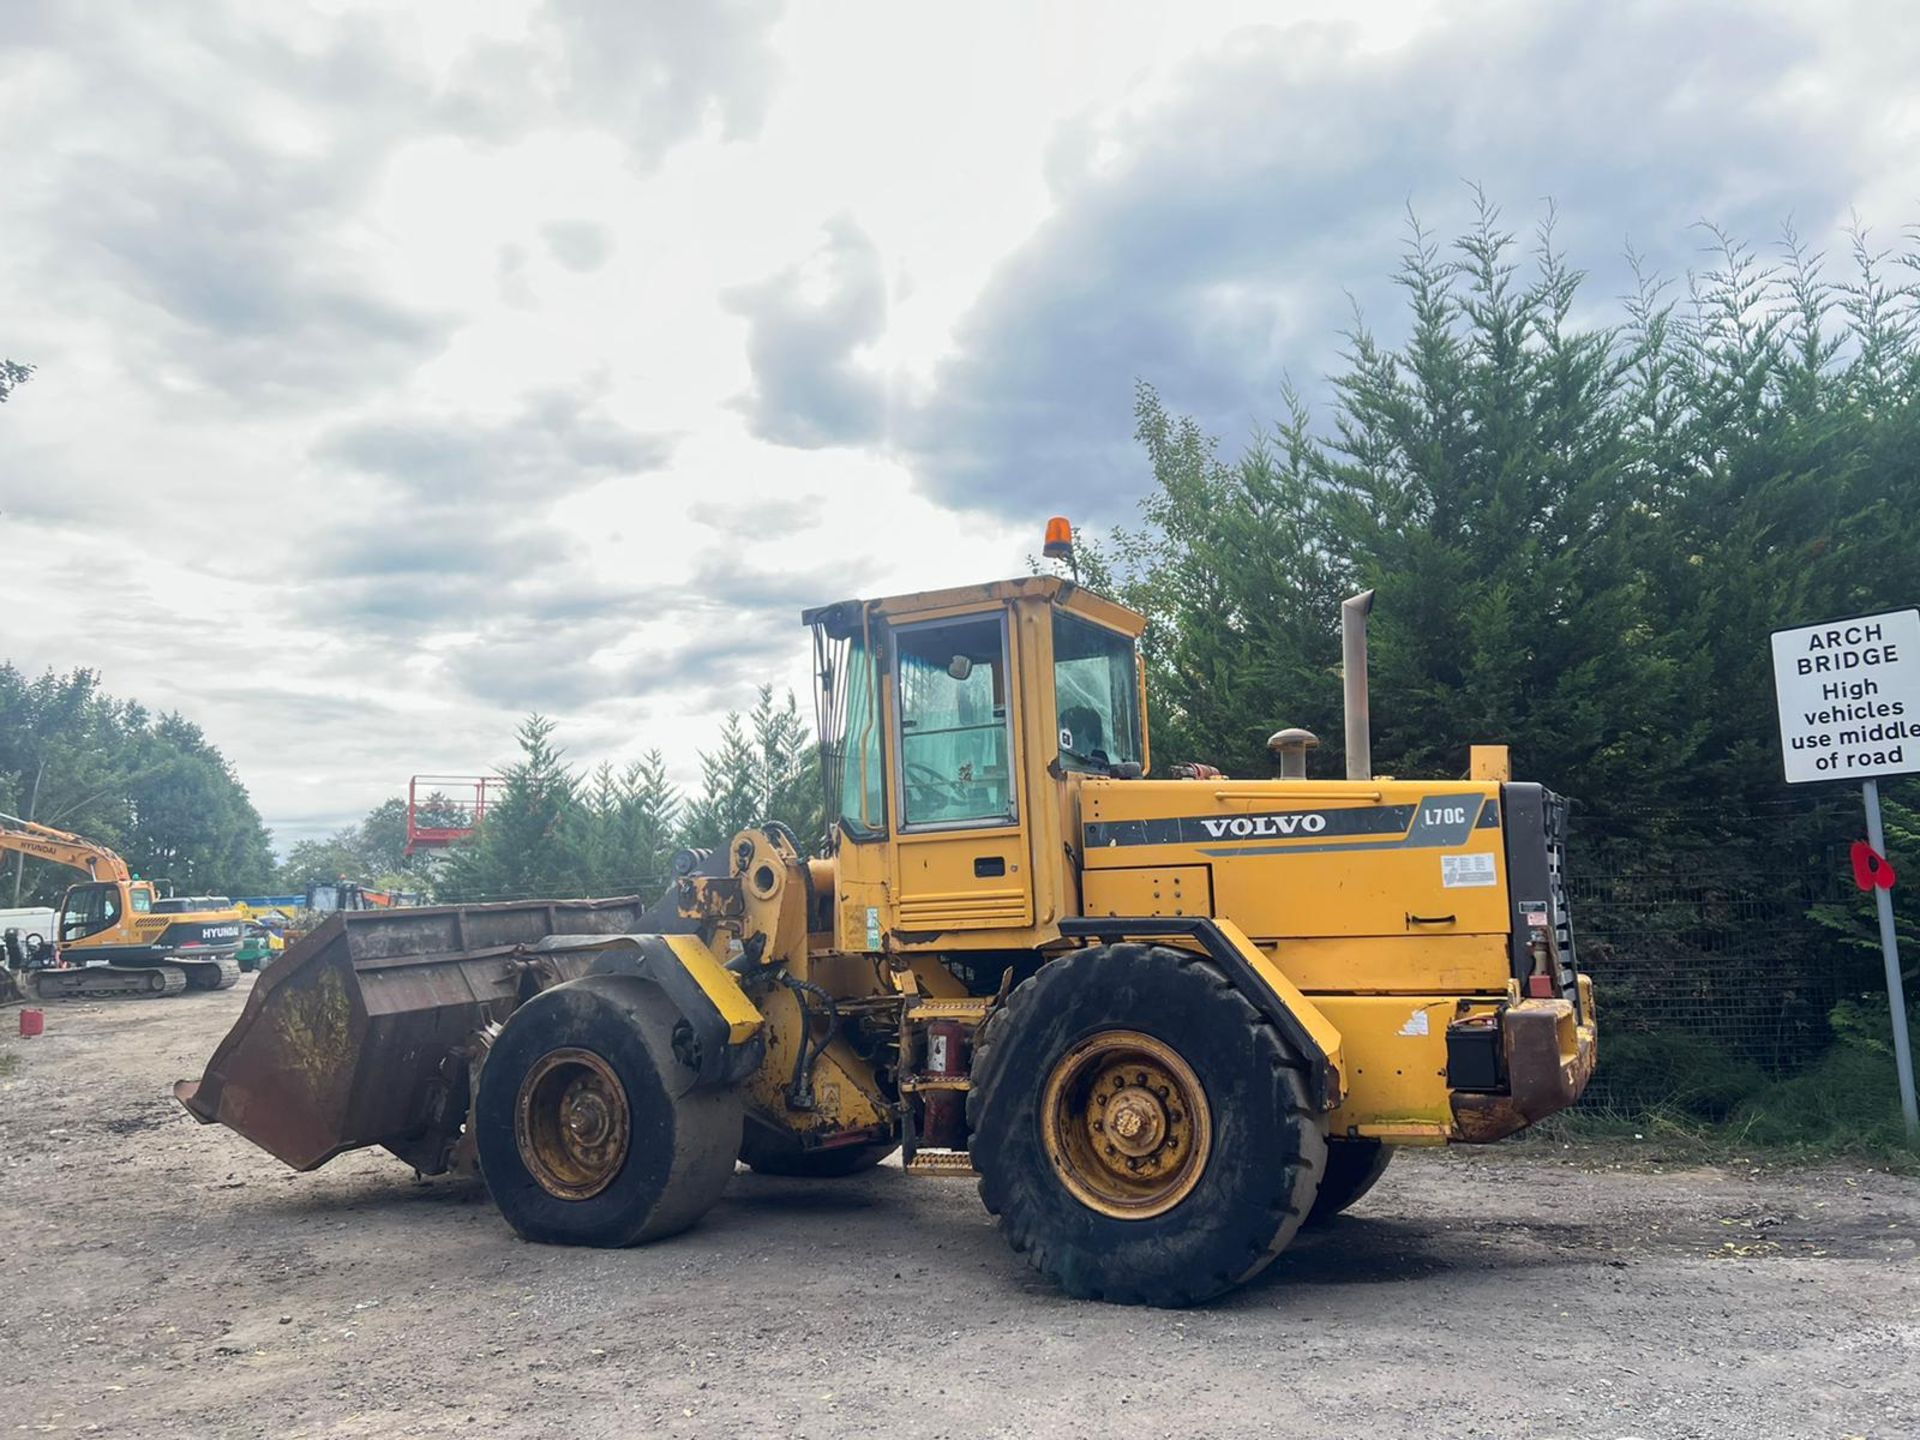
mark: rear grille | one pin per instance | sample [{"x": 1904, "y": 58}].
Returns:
[
  {"x": 1561, "y": 915},
  {"x": 1536, "y": 840}
]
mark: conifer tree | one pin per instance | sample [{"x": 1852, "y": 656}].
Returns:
[{"x": 525, "y": 846}]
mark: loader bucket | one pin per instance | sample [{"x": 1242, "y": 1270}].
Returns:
[{"x": 357, "y": 1035}]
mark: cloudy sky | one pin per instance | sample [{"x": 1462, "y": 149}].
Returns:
[{"x": 407, "y": 367}]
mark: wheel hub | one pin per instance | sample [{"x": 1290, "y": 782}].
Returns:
[
  {"x": 1136, "y": 1122},
  {"x": 1125, "y": 1122},
  {"x": 571, "y": 1123}
]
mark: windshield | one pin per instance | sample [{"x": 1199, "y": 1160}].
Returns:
[{"x": 1097, "y": 691}]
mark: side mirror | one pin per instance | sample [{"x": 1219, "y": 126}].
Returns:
[{"x": 960, "y": 667}]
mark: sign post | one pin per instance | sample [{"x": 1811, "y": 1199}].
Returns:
[{"x": 1849, "y": 701}]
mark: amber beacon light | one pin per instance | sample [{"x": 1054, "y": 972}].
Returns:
[{"x": 1059, "y": 544}]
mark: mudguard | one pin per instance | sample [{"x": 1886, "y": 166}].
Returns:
[{"x": 1306, "y": 1028}]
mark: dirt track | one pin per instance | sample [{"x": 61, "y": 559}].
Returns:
[{"x": 165, "y": 1279}]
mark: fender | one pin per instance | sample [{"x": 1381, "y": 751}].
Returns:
[
  {"x": 725, "y": 1030},
  {"x": 1253, "y": 974}
]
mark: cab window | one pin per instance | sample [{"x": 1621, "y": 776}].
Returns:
[
  {"x": 862, "y": 789},
  {"x": 1096, "y": 684},
  {"x": 89, "y": 909},
  {"x": 142, "y": 900},
  {"x": 956, "y": 742}
]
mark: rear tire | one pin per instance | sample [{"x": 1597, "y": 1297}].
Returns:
[
  {"x": 1228, "y": 1144},
  {"x": 588, "y": 1127},
  {"x": 1353, "y": 1167},
  {"x": 767, "y": 1151}
]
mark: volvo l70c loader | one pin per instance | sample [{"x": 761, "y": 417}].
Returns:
[{"x": 1165, "y": 1021}]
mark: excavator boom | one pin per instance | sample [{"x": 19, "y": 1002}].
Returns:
[{"x": 43, "y": 842}]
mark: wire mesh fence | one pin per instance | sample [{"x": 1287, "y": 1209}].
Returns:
[{"x": 1717, "y": 948}]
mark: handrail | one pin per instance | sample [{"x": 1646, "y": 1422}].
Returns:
[{"x": 1292, "y": 790}]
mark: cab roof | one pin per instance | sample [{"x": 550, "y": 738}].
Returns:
[{"x": 845, "y": 616}]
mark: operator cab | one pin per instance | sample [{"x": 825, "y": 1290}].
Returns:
[
  {"x": 89, "y": 909},
  {"x": 955, "y": 726}
]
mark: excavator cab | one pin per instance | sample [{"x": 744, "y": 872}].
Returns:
[{"x": 88, "y": 910}]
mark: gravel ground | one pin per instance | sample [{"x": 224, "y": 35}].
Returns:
[{"x": 164, "y": 1279}]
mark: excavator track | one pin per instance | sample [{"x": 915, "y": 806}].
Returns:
[
  {"x": 221, "y": 974},
  {"x": 111, "y": 982}
]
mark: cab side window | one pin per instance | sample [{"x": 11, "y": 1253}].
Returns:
[
  {"x": 88, "y": 910},
  {"x": 956, "y": 743}
]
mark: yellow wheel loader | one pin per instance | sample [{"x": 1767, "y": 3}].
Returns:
[
  {"x": 117, "y": 934},
  {"x": 1164, "y": 1021}
]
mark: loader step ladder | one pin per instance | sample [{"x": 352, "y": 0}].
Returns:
[{"x": 918, "y": 1086}]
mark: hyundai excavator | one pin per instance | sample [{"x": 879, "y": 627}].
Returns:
[{"x": 115, "y": 934}]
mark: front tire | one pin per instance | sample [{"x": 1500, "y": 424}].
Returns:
[
  {"x": 589, "y": 1129},
  {"x": 1144, "y": 1134}
]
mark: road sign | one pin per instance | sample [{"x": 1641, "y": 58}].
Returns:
[{"x": 1849, "y": 697}]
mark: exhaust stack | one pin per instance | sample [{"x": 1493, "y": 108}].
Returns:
[
  {"x": 1353, "y": 669},
  {"x": 1289, "y": 750}
]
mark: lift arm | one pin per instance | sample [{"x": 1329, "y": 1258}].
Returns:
[{"x": 43, "y": 842}]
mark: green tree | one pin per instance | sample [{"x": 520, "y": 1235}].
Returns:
[
  {"x": 12, "y": 376},
  {"x": 767, "y": 768},
  {"x": 372, "y": 852},
  {"x": 152, "y": 788},
  {"x": 339, "y": 856},
  {"x": 1581, "y": 529},
  {"x": 730, "y": 797},
  {"x": 1232, "y": 570},
  {"x": 626, "y": 829},
  {"x": 1481, "y": 484},
  {"x": 383, "y": 838},
  {"x": 525, "y": 846},
  {"x": 189, "y": 818}
]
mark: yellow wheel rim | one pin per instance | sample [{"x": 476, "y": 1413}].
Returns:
[
  {"x": 571, "y": 1123},
  {"x": 1126, "y": 1124}
]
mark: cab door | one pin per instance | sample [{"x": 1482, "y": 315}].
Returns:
[
  {"x": 962, "y": 857},
  {"x": 88, "y": 911}
]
